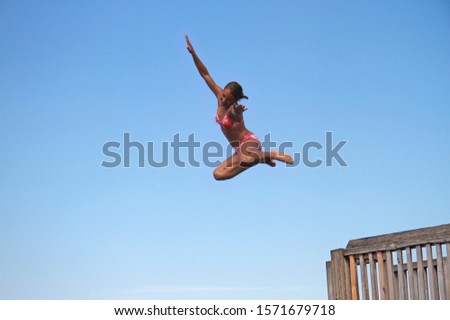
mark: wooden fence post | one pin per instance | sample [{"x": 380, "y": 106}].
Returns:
[
  {"x": 330, "y": 282},
  {"x": 340, "y": 270}
]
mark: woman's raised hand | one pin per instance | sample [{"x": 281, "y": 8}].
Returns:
[
  {"x": 189, "y": 45},
  {"x": 239, "y": 108}
]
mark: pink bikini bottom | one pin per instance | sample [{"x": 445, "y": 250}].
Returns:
[{"x": 247, "y": 137}]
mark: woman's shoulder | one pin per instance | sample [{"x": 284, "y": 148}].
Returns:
[{"x": 221, "y": 108}]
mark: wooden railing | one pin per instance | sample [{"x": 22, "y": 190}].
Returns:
[{"x": 405, "y": 265}]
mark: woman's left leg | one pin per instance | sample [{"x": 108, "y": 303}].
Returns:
[
  {"x": 229, "y": 168},
  {"x": 251, "y": 154}
]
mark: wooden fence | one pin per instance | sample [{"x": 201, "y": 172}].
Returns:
[{"x": 405, "y": 265}]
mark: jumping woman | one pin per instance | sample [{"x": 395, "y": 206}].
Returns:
[{"x": 229, "y": 116}]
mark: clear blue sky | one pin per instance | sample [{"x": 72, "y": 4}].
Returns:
[{"x": 77, "y": 74}]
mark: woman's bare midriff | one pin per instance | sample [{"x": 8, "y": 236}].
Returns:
[{"x": 235, "y": 135}]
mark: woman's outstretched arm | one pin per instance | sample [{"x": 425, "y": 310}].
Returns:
[{"x": 203, "y": 71}]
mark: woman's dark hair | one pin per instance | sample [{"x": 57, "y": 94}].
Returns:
[{"x": 236, "y": 90}]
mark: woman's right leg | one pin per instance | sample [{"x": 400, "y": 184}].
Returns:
[{"x": 251, "y": 154}]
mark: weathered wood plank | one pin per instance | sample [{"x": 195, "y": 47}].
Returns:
[
  {"x": 384, "y": 293},
  {"x": 373, "y": 277},
  {"x": 440, "y": 272},
  {"x": 436, "y": 283},
  {"x": 447, "y": 271},
  {"x": 340, "y": 271},
  {"x": 354, "y": 278},
  {"x": 397, "y": 295},
  {"x": 364, "y": 279},
  {"x": 421, "y": 280},
  {"x": 390, "y": 276},
  {"x": 431, "y": 274},
  {"x": 416, "y": 288},
  {"x": 330, "y": 281},
  {"x": 348, "y": 288},
  {"x": 401, "y": 276},
  {"x": 411, "y": 275},
  {"x": 398, "y": 240}
]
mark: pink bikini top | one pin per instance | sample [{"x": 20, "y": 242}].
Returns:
[{"x": 227, "y": 122}]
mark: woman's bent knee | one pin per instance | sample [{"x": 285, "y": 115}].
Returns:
[{"x": 248, "y": 161}]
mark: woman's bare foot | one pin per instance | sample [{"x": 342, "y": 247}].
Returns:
[{"x": 276, "y": 155}]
